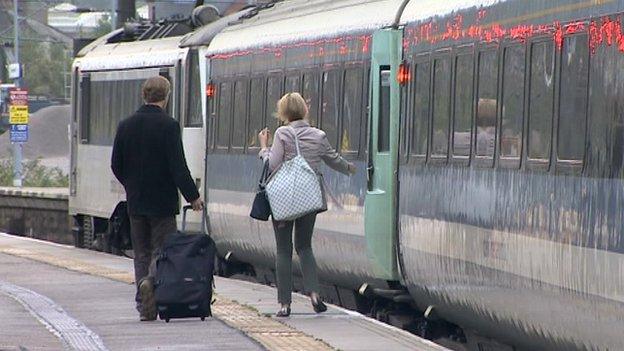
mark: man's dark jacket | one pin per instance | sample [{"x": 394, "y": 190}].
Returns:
[{"x": 148, "y": 159}]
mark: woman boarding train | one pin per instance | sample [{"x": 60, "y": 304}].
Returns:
[{"x": 295, "y": 138}]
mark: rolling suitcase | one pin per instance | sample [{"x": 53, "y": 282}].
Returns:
[{"x": 184, "y": 275}]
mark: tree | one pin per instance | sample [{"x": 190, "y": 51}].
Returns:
[
  {"x": 104, "y": 26},
  {"x": 45, "y": 65}
]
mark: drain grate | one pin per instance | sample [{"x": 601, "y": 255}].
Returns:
[{"x": 73, "y": 334}]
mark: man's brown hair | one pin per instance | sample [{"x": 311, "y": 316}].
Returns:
[{"x": 156, "y": 89}]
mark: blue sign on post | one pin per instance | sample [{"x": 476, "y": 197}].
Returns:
[{"x": 19, "y": 133}]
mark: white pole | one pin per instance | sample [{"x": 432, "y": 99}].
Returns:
[
  {"x": 17, "y": 147},
  {"x": 114, "y": 15}
]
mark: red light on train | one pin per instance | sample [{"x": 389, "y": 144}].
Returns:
[
  {"x": 210, "y": 90},
  {"x": 404, "y": 75}
]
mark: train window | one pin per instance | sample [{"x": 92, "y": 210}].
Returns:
[
  {"x": 194, "y": 106},
  {"x": 331, "y": 105},
  {"x": 255, "y": 111},
  {"x": 441, "y": 107},
  {"x": 420, "y": 128},
  {"x": 487, "y": 103},
  {"x": 85, "y": 91},
  {"x": 240, "y": 114},
  {"x": 573, "y": 98},
  {"x": 310, "y": 94},
  {"x": 462, "y": 123},
  {"x": 273, "y": 94},
  {"x": 292, "y": 85},
  {"x": 541, "y": 98},
  {"x": 352, "y": 110},
  {"x": 513, "y": 102},
  {"x": 383, "y": 125},
  {"x": 104, "y": 116},
  {"x": 224, "y": 116}
]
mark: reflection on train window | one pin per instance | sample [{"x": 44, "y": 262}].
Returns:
[
  {"x": 110, "y": 101},
  {"x": 541, "y": 100},
  {"x": 513, "y": 102},
  {"x": 573, "y": 99},
  {"x": 240, "y": 114},
  {"x": 224, "y": 115},
  {"x": 331, "y": 105},
  {"x": 292, "y": 84},
  {"x": 273, "y": 94},
  {"x": 310, "y": 94},
  {"x": 352, "y": 110},
  {"x": 441, "y": 106},
  {"x": 420, "y": 126},
  {"x": 487, "y": 104},
  {"x": 255, "y": 111},
  {"x": 194, "y": 106},
  {"x": 462, "y": 128}
]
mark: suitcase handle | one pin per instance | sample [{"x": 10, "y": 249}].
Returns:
[{"x": 205, "y": 218}]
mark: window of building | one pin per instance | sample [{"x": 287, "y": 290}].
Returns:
[
  {"x": 541, "y": 98},
  {"x": 256, "y": 99},
  {"x": 420, "y": 127},
  {"x": 330, "y": 108},
  {"x": 273, "y": 94},
  {"x": 224, "y": 115},
  {"x": 311, "y": 96},
  {"x": 195, "y": 93},
  {"x": 513, "y": 102},
  {"x": 240, "y": 114},
  {"x": 352, "y": 110},
  {"x": 462, "y": 122},
  {"x": 487, "y": 103},
  {"x": 573, "y": 99},
  {"x": 441, "y": 107}
]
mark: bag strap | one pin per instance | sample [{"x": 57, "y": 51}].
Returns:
[
  {"x": 296, "y": 140},
  {"x": 265, "y": 174}
]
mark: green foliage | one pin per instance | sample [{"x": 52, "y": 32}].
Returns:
[
  {"x": 104, "y": 26},
  {"x": 45, "y": 65},
  {"x": 35, "y": 174}
]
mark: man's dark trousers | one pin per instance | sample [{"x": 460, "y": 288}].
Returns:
[
  {"x": 148, "y": 234},
  {"x": 148, "y": 159}
]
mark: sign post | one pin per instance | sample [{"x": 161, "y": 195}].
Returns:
[
  {"x": 17, "y": 147},
  {"x": 18, "y": 118}
]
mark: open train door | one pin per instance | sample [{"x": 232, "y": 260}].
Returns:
[{"x": 380, "y": 205}]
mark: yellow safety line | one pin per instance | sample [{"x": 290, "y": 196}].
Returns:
[{"x": 273, "y": 335}]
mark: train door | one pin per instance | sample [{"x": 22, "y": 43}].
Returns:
[{"x": 380, "y": 205}]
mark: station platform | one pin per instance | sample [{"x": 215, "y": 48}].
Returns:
[{"x": 57, "y": 297}]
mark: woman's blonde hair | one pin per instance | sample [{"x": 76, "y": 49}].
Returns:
[{"x": 291, "y": 107}]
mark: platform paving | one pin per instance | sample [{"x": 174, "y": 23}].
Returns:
[{"x": 96, "y": 289}]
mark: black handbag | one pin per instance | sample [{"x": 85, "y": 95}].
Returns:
[{"x": 260, "y": 209}]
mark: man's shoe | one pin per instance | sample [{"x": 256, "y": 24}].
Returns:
[{"x": 148, "y": 302}]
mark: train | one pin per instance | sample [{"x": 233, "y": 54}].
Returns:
[{"x": 488, "y": 137}]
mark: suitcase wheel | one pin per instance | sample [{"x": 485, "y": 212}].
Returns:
[
  {"x": 203, "y": 319},
  {"x": 167, "y": 320}
]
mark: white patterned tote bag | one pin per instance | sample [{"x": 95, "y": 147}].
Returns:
[{"x": 294, "y": 189}]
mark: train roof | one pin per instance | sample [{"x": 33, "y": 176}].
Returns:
[
  {"x": 304, "y": 20},
  {"x": 128, "y": 55},
  {"x": 205, "y": 34}
]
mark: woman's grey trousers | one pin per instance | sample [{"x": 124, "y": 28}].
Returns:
[{"x": 304, "y": 227}]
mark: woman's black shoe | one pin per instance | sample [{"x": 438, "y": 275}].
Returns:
[
  {"x": 319, "y": 306},
  {"x": 283, "y": 312}
]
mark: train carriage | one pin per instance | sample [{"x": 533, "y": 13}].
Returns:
[
  {"x": 489, "y": 141},
  {"x": 107, "y": 79}
]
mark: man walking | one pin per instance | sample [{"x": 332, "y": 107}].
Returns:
[{"x": 148, "y": 159}]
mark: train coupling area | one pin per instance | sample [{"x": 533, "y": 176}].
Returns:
[{"x": 57, "y": 297}]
